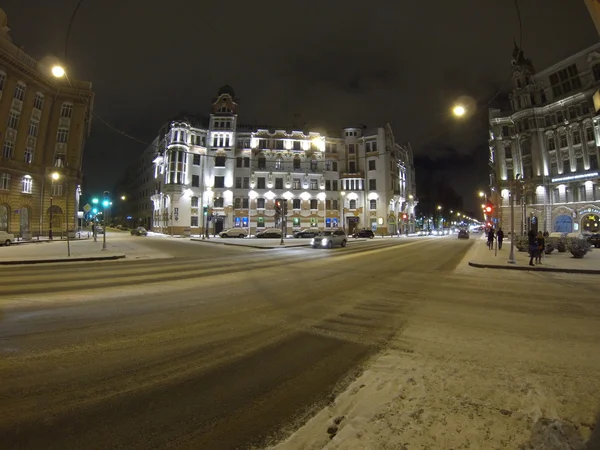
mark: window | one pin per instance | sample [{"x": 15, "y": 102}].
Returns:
[
  {"x": 314, "y": 203},
  {"x": 33, "y": 128},
  {"x": 59, "y": 160},
  {"x": 279, "y": 144},
  {"x": 57, "y": 189},
  {"x": 62, "y": 135},
  {"x": 327, "y": 185},
  {"x": 245, "y": 203},
  {"x": 246, "y": 183},
  {"x": 581, "y": 193},
  {"x": 196, "y": 160},
  {"x": 509, "y": 174},
  {"x": 589, "y": 133},
  {"x": 350, "y": 148},
  {"x": 237, "y": 203},
  {"x": 352, "y": 167},
  {"x": 593, "y": 162},
  {"x": 262, "y": 162},
  {"x": 556, "y": 195},
  {"x": 219, "y": 182},
  {"x": 279, "y": 161},
  {"x": 27, "y": 184},
  {"x": 547, "y": 121},
  {"x": 7, "y": 150},
  {"x": 595, "y": 70},
  {"x": 559, "y": 116},
  {"x": 551, "y": 143},
  {"x": 38, "y": 101},
  {"x": 195, "y": 180},
  {"x": 239, "y": 161},
  {"x": 372, "y": 185},
  {"x": 260, "y": 203},
  {"x": 352, "y": 204},
  {"x": 220, "y": 161},
  {"x": 572, "y": 112},
  {"x": 194, "y": 221},
  {"x": 565, "y": 81},
  {"x": 335, "y": 205},
  {"x": 553, "y": 167},
  {"x": 4, "y": 181},
  {"x": 218, "y": 202},
  {"x": 194, "y": 202},
  {"x": 13, "y": 120},
  {"x": 563, "y": 140},
  {"x": 580, "y": 165},
  {"x": 525, "y": 148},
  {"x": 334, "y": 185},
  {"x": 576, "y": 137},
  {"x": 278, "y": 183},
  {"x": 296, "y": 184},
  {"x": 20, "y": 91},
  {"x": 66, "y": 110},
  {"x": 313, "y": 165},
  {"x": 508, "y": 152},
  {"x": 238, "y": 182},
  {"x": 262, "y": 144},
  {"x": 296, "y": 203},
  {"x": 28, "y": 155},
  {"x": 314, "y": 184},
  {"x": 372, "y": 164},
  {"x": 246, "y": 162},
  {"x": 372, "y": 204},
  {"x": 261, "y": 184},
  {"x": 567, "y": 166},
  {"x": 371, "y": 146},
  {"x": 328, "y": 204},
  {"x": 296, "y": 163}
]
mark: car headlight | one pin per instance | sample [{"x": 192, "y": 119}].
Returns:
[
  {"x": 312, "y": 241},
  {"x": 324, "y": 242}
]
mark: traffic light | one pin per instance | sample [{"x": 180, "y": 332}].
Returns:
[
  {"x": 489, "y": 208},
  {"x": 205, "y": 210},
  {"x": 404, "y": 216},
  {"x": 277, "y": 207},
  {"x": 95, "y": 201},
  {"x": 285, "y": 207}
]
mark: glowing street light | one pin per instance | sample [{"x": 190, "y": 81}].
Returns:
[
  {"x": 459, "y": 110},
  {"x": 123, "y": 197},
  {"x": 55, "y": 176},
  {"x": 58, "y": 71}
]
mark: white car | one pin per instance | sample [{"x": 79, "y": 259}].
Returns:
[
  {"x": 6, "y": 238},
  {"x": 234, "y": 233}
]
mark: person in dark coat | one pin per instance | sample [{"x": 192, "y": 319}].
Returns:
[
  {"x": 541, "y": 245},
  {"x": 490, "y": 241},
  {"x": 500, "y": 237},
  {"x": 533, "y": 246}
]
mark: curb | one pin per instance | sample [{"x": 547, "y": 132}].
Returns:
[
  {"x": 63, "y": 260},
  {"x": 536, "y": 269},
  {"x": 207, "y": 241}
]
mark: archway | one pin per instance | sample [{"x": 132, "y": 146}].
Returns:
[
  {"x": 24, "y": 221},
  {"x": 55, "y": 217},
  {"x": 4, "y": 217},
  {"x": 590, "y": 223},
  {"x": 563, "y": 224}
]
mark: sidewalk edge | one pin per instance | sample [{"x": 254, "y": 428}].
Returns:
[
  {"x": 533, "y": 269},
  {"x": 63, "y": 260}
]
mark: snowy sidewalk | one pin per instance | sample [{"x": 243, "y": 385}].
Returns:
[{"x": 482, "y": 257}]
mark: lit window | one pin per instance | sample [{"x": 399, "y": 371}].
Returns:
[
  {"x": 27, "y": 184},
  {"x": 66, "y": 110},
  {"x": 372, "y": 204},
  {"x": 20, "y": 91},
  {"x": 28, "y": 155},
  {"x": 38, "y": 101}
]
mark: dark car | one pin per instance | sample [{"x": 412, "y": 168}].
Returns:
[
  {"x": 269, "y": 233},
  {"x": 463, "y": 234},
  {"x": 364, "y": 234},
  {"x": 594, "y": 240},
  {"x": 139, "y": 231},
  {"x": 307, "y": 233}
]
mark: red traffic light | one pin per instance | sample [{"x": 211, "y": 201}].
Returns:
[
  {"x": 488, "y": 209},
  {"x": 404, "y": 216}
]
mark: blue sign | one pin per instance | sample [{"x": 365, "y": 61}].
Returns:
[
  {"x": 237, "y": 221},
  {"x": 328, "y": 223},
  {"x": 563, "y": 224},
  {"x": 335, "y": 223},
  {"x": 245, "y": 222}
]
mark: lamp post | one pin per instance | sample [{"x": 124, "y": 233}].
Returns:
[
  {"x": 343, "y": 194},
  {"x": 105, "y": 205},
  {"x": 511, "y": 257},
  {"x": 55, "y": 176}
]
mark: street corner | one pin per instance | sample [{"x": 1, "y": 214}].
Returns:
[{"x": 536, "y": 268}]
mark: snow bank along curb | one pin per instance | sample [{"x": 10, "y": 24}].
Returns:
[
  {"x": 270, "y": 247},
  {"x": 63, "y": 260},
  {"x": 533, "y": 269}
]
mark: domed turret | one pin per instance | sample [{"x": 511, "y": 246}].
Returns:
[
  {"x": 227, "y": 90},
  {"x": 4, "y": 25}
]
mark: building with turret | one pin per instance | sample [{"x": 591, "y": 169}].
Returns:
[
  {"x": 44, "y": 123},
  {"x": 545, "y": 146},
  {"x": 218, "y": 173}
]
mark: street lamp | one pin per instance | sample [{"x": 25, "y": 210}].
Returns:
[
  {"x": 58, "y": 71},
  {"x": 459, "y": 110},
  {"x": 54, "y": 176},
  {"x": 343, "y": 194},
  {"x": 511, "y": 257},
  {"x": 123, "y": 197}
]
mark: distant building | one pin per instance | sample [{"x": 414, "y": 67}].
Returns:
[
  {"x": 44, "y": 122},
  {"x": 360, "y": 178},
  {"x": 546, "y": 145}
]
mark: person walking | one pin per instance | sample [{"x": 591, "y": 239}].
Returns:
[
  {"x": 541, "y": 245},
  {"x": 490, "y": 240},
  {"x": 533, "y": 246},
  {"x": 500, "y": 237}
]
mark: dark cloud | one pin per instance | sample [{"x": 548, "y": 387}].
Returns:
[{"x": 334, "y": 62}]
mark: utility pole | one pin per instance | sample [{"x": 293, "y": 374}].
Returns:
[{"x": 511, "y": 257}]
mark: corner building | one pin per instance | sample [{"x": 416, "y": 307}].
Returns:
[
  {"x": 546, "y": 146},
  {"x": 361, "y": 178},
  {"x": 44, "y": 122}
]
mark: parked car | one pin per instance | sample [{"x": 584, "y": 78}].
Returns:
[
  {"x": 234, "y": 233},
  {"x": 364, "y": 233},
  {"x": 307, "y": 233},
  {"x": 463, "y": 234},
  {"x": 329, "y": 239},
  {"x": 99, "y": 229},
  {"x": 594, "y": 240},
  {"x": 139, "y": 231},
  {"x": 269, "y": 233},
  {"x": 6, "y": 238}
]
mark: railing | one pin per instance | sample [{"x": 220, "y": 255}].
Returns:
[{"x": 358, "y": 174}]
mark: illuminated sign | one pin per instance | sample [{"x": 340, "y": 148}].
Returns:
[{"x": 575, "y": 177}]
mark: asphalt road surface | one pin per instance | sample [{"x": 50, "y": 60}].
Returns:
[{"x": 218, "y": 348}]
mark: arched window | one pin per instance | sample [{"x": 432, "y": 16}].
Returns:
[
  {"x": 352, "y": 204},
  {"x": 4, "y": 217}
]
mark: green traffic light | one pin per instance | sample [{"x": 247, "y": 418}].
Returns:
[
  {"x": 105, "y": 203},
  {"x": 94, "y": 201}
]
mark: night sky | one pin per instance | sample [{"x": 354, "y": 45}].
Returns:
[{"x": 337, "y": 63}]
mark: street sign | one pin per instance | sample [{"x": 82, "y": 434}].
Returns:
[{"x": 87, "y": 208}]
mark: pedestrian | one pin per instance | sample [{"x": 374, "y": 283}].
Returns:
[
  {"x": 500, "y": 237},
  {"x": 533, "y": 246},
  {"x": 541, "y": 245},
  {"x": 490, "y": 241}
]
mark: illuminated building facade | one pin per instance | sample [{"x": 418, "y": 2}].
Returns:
[
  {"x": 546, "y": 146},
  {"x": 236, "y": 174}
]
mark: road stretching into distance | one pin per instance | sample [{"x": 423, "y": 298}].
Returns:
[{"x": 217, "y": 348}]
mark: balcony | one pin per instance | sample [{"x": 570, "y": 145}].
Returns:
[{"x": 358, "y": 174}]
